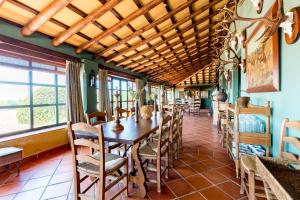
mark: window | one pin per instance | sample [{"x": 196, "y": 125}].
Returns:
[
  {"x": 123, "y": 86},
  {"x": 170, "y": 96},
  {"x": 156, "y": 90},
  {"x": 33, "y": 95}
]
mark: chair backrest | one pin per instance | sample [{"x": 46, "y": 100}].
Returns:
[
  {"x": 174, "y": 124},
  {"x": 96, "y": 118},
  {"x": 163, "y": 132},
  {"x": 122, "y": 111},
  {"x": 168, "y": 108},
  {"x": 293, "y": 140},
  {"x": 78, "y": 145},
  {"x": 180, "y": 119}
]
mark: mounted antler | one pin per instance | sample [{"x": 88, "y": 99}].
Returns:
[{"x": 272, "y": 21}]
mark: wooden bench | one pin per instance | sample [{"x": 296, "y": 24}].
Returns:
[{"x": 9, "y": 155}]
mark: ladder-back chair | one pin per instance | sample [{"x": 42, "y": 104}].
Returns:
[{"x": 100, "y": 166}]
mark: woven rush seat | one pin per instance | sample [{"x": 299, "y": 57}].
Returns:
[
  {"x": 150, "y": 149},
  {"x": 112, "y": 163}
]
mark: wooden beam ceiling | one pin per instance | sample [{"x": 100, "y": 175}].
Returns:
[
  {"x": 119, "y": 25},
  {"x": 44, "y": 16},
  {"x": 146, "y": 28},
  {"x": 1, "y": 2},
  {"x": 163, "y": 39},
  {"x": 153, "y": 37},
  {"x": 91, "y": 18}
]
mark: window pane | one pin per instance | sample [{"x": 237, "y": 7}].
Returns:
[
  {"x": 124, "y": 85},
  {"x": 124, "y": 95},
  {"x": 124, "y": 105},
  {"x": 11, "y": 60},
  {"x": 134, "y": 86},
  {"x": 61, "y": 79},
  {"x": 62, "y": 95},
  {"x": 13, "y": 75},
  {"x": 12, "y": 94},
  {"x": 43, "y": 95},
  {"x": 15, "y": 119},
  {"x": 43, "y": 77},
  {"x": 43, "y": 116},
  {"x": 116, "y": 84},
  {"x": 62, "y": 114},
  {"x": 42, "y": 66}
]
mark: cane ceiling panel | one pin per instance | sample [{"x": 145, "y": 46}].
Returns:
[{"x": 167, "y": 40}]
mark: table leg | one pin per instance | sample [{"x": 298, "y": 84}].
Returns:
[{"x": 138, "y": 177}]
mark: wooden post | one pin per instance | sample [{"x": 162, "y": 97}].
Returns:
[
  {"x": 85, "y": 21},
  {"x": 44, "y": 16}
]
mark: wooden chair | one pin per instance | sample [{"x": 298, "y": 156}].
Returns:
[
  {"x": 158, "y": 151},
  {"x": 99, "y": 166},
  {"x": 97, "y": 118},
  {"x": 174, "y": 138},
  {"x": 123, "y": 111},
  {"x": 180, "y": 126},
  {"x": 248, "y": 163},
  {"x": 195, "y": 107}
]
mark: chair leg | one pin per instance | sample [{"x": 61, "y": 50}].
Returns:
[
  {"x": 18, "y": 168},
  {"x": 126, "y": 178},
  {"x": 77, "y": 185},
  {"x": 167, "y": 164},
  {"x": 251, "y": 186},
  {"x": 242, "y": 189},
  {"x": 101, "y": 189},
  {"x": 170, "y": 149},
  {"x": 158, "y": 174}
]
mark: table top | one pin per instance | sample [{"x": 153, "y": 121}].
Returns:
[
  {"x": 283, "y": 181},
  {"x": 133, "y": 131}
]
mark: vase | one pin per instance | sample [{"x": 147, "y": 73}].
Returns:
[
  {"x": 222, "y": 96},
  {"x": 243, "y": 102},
  {"x": 146, "y": 111}
]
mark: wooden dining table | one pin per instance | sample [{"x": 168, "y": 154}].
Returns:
[{"x": 132, "y": 134}]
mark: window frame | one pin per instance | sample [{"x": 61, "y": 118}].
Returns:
[
  {"x": 30, "y": 69},
  {"x": 120, "y": 90}
]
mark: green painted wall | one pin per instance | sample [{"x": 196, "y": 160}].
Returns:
[{"x": 286, "y": 102}]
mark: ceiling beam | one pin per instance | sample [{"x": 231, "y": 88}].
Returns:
[
  {"x": 62, "y": 37},
  {"x": 146, "y": 28},
  {"x": 198, "y": 71},
  {"x": 197, "y": 80},
  {"x": 160, "y": 64},
  {"x": 44, "y": 16},
  {"x": 1, "y": 2},
  {"x": 180, "y": 22},
  {"x": 156, "y": 59},
  {"x": 120, "y": 24},
  {"x": 170, "y": 73},
  {"x": 164, "y": 48},
  {"x": 183, "y": 62}
]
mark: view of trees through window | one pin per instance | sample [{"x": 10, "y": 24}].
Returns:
[
  {"x": 33, "y": 95},
  {"x": 123, "y": 86}
]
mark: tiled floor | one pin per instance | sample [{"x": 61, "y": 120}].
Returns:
[{"x": 204, "y": 171}]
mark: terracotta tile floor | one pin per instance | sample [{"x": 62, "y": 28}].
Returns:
[{"x": 204, "y": 171}]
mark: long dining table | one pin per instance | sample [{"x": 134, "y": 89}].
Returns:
[{"x": 132, "y": 134}]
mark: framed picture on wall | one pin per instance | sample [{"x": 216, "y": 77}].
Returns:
[{"x": 262, "y": 61}]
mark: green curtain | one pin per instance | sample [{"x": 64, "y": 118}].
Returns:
[{"x": 74, "y": 97}]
